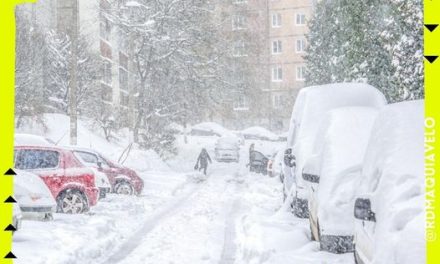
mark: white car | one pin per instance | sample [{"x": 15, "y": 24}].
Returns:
[
  {"x": 92, "y": 159},
  {"x": 16, "y": 216},
  {"x": 33, "y": 196},
  {"x": 227, "y": 149},
  {"x": 331, "y": 172},
  {"x": 310, "y": 106},
  {"x": 390, "y": 194}
]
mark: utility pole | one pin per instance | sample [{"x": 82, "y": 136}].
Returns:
[{"x": 73, "y": 113}]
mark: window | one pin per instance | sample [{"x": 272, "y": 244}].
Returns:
[
  {"x": 241, "y": 103},
  {"x": 107, "y": 72},
  {"x": 239, "y": 49},
  {"x": 124, "y": 98},
  {"x": 277, "y": 47},
  {"x": 123, "y": 79},
  {"x": 300, "y": 73},
  {"x": 276, "y": 20},
  {"x": 300, "y": 19},
  {"x": 31, "y": 159},
  {"x": 105, "y": 28},
  {"x": 277, "y": 101},
  {"x": 300, "y": 46},
  {"x": 86, "y": 158},
  {"x": 240, "y": 1},
  {"x": 239, "y": 22},
  {"x": 277, "y": 74}
]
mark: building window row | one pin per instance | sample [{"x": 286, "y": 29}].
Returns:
[
  {"x": 300, "y": 46},
  {"x": 300, "y": 19},
  {"x": 277, "y": 73}
]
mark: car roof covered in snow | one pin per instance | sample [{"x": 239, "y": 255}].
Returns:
[
  {"x": 315, "y": 101},
  {"x": 31, "y": 140},
  {"x": 211, "y": 127},
  {"x": 260, "y": 132}
]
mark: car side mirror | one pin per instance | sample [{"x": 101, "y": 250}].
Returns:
[
  {"x": 362, "y": 210},
  {"x": 311, "y": 177},
  {"x": 289, "y": 158},
  {"x": 99, "y": 163}
]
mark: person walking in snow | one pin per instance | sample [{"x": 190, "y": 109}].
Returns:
[
  {"x": 251, "y": 155},
  {"x": 202, "y": 161}
]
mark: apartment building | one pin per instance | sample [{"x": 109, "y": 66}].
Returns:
[
  {"x": 277, "y": 44},
  {"x": 287, "y": 43},
  {"x": 103, "y": 38}
]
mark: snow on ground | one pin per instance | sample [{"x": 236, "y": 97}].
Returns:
[{"x": 230, "y": 216}]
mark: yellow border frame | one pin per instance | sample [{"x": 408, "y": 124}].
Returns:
[
  {"x": 432, "y": 141},
  {"x": 7, "y": 84}
]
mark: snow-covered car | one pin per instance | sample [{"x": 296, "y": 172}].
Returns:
[
  {"x": 92, "y": 160},
  {"x": 70, "y": 183},
  {"x": 259, "y": 133},
  {"x": 122, "y": 180},
  {"x": 258, "y": 162},
  {"x": 310, "y": 106},
  {"x": 390, "y": 196},
  {"x": 16, "y": 216},
  {"x": 33, "y": 196},
  {"x": 227, "y": 149},
  {"x": 209, "y": 129},
  {"x": 331, "y": 172},
  {"x": 21, "y": 139}
]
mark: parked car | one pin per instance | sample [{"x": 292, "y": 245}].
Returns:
[
  {"x": 259, "y": 162},
  {"x": 227, "y": 149},
  {"x": 331, "y": 173},
  {"x": 209, "y": 129},
  {"x": 274, "y": 166},
  {"x": 259, "y": 133},
  {"x": 390, "y": 194},
  {"x": 16, "y": 216},
  {"x": 92, "y": 160},
  {"x": 33, "y": 196},
  {"x": 311, "y": 105},
  {"x": 122, "y": 179},
  {"x": 70, "y": 183}
]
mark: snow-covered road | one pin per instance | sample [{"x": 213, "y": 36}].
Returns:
[{"x": 230, "y": 217}]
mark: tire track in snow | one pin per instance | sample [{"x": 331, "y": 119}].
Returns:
[
  {"x": 229, "y": 246},
  {"x": 133, "y": 242}
]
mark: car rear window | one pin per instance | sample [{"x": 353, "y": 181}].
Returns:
[{"x": 30, "y": 159}]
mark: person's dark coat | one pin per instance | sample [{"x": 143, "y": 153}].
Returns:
[{"x": 202, "y": 161}]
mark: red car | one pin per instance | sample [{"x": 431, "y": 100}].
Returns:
[
  {"x": 122, "y": 179},
  {"x": 71, "y": 183}
]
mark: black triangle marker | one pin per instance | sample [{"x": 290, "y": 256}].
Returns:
[
  {"x": 10, "y": 256},
  {"x": 10, "y": 199},
  {"x": 431, "y": 27},
  {"x": 10, "y": 172},
  {"x": 10, "y": 228},
  {"x": 431, "y": 59}
]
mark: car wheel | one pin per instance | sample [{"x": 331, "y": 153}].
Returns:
[
  {"x": 72, "y": 202},
  {"x": 124, "y": 188}
]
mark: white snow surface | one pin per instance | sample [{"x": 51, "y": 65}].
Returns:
[
  {"x": 181, "y": 216},
  {"x": 212, "y": 127}
]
